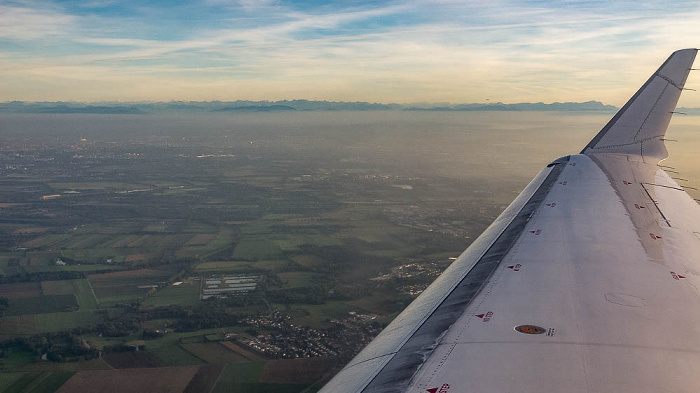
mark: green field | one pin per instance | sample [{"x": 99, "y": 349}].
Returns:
[
  {"x": 41, "y": 304},
  {"x": 223, "y": 266},
  {"x": 81, "y": 289},
  {"x": 183, "y": 294},
  {"x": 316, "y": 315},
  {"x": 3, "y": 263},
  {"x": 22, "y": 383},
  {"x": 50, "y": 240},
  {"x": 84, "y": 295},
  {"x": 57, "y": 322},
  {"x": 256, "y": 248},
  {"x": 234, "y": 375},
  {"x": 278, "y": 265},
  {"x": 296, "y": 279},
  {"x": 21, "y": 325},
  {"x": 245, "y": 378},
  {"x": 155, "y": 227},
  {"x": 16, "y": 357},
  {"x": 170, "y": 353},
  {"x": 40, "y": 382},
  {"x": 95, "y": 254},
  {"x": 126, "y": 286},
  {"x": 309, "y": 261},
  {"x": 97, "y": 185},
  {"x": 73, "y": 268},
  {"x": 7, "y": 379}
]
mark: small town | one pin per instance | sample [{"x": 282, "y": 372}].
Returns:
[{"x": 285, "y": 340}]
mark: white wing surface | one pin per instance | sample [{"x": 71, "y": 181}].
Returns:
[{"x": 588, "y": 282}]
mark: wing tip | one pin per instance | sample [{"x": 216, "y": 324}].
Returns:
[
  {"x": 674, "y": 72},
  {"x": 679, "y": 51}
]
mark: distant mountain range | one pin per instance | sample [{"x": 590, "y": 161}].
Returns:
[{"x": 292, "y": 105}]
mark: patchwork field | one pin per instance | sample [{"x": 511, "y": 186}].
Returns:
[
  {"x": 255, "y": 248},
  {"x": 22, "y": 290},
  {"x": 209, "y": 206},
  {"x": 170, "y": 353},
  {"x": 34, "y": 382},
  {"x": 316, "y": 315},
  {"x": 41, "y": 304},
  {"x": 295, "y": 371},
  {"x": 137, "y": 380},
  {"x": 184, "y": 294},
  {"x": 308, "y": 261},
  {"x": 81, "y": 289},
  {"x": 65, "y": 321},
  {"x": 94, "y": 245},
  {"x": 259, "y": 377},
  {"x": 297, "y": 279},
  {"x": 18, "y": 326},
  {"x": 223, "y": 266},
  {"x": 139, "y": 359},
  {"x": 234, "y": 377},
  {"x": 205, "y": 379},
  {"x": 119, "y": 287},
  {"x": 214, "y": 353}
]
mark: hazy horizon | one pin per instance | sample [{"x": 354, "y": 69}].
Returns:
[{"x": 492, "y": 146}]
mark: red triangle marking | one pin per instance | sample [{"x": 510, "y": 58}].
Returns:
[
  {"x": 480, "y": 315},
  {"x": 679, "y": 276},
  {"x": 433, "y": 390},
  {"x": 511, "y": 267}
]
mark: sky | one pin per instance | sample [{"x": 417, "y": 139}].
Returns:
[{"x": 375, "y": 51}]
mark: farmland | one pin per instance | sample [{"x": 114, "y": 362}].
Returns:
[
  {"x": 203, "y": 262},
  {"x": 164, "y": 379}
]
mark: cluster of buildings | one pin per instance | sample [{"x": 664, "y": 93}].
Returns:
[
  {"x": 409, "y": 270},
  {"x": 429, "y": 220},
  {"x": 278, "y": 338},
  {"x": 283, "y": 340},
  {"x": 224, "y": 286}
]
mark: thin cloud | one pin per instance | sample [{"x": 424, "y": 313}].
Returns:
[
  {"x": 23, "y": 24},
  {"x": 401, "y": 52}
]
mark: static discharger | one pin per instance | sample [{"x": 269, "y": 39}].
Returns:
[{"x": 530, "y": 329}]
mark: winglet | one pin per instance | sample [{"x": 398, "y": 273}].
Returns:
[{"x": 639, "y": 127}]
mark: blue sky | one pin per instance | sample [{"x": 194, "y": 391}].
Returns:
[{"x": 392, "y": 51}]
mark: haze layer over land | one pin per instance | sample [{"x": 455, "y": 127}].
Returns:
[{"x": 246, "y": 251}]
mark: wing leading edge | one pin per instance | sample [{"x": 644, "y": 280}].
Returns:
[{"x": 586, "y": 282}]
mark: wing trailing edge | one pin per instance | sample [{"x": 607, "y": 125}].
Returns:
[{"x": 638, "y": 128}]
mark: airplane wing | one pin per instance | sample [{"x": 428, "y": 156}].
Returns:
[{"x": 588, "y": 282}]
